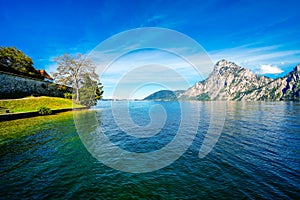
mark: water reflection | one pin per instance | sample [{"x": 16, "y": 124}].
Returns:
[{"x": 256, "y": 156}]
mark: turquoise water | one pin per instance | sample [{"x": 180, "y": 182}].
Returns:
[{"x": 257, "y": 156}]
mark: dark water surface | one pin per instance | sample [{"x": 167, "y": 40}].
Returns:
[{"x": 256, "y": 157}]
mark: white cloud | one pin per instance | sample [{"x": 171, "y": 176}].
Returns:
[
  {"x": 250, "y": 56},
  {"x": 269, "y": 69}
]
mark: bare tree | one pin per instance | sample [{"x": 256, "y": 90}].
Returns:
[{"x": 72, "y": 70}]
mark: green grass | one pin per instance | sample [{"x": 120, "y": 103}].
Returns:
[
  {"x": 28, "y": 126},
  {"x": 34, "y": 103}
]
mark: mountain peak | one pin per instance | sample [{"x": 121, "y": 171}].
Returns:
[
  {"x": 297, "y": 68},
  {"x": 226, "y": 65},
  {"x": 227, "y": 82},
  {"x": 222, "y": 62}
]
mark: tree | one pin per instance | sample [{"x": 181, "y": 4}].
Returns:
[
  {"x": 72, "y": 70},
  {"x": 90, "y": 92},
  {"x": 13, "y": 58}
]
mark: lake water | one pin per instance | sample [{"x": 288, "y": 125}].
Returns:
[{"x": 256, "y": 156}]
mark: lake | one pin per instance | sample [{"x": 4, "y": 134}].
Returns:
[{"x": 256, "y": 155}]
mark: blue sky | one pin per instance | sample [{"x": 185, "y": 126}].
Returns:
[{"x": 260, "y": 35}]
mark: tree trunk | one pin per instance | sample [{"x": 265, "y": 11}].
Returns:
[
  {"x": 76, "y": 85},
  {"x": 77, "y": 94}
]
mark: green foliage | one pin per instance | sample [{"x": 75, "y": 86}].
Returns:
[
  {"x": 272, "y": 94},
  {"x": 166, "y": 95},
  {"x": 14, "y": 59},
  {"x": 203, "y": 97},
  {"x": 278, "y": 95},
  {"x": 43, "y": 110},
  {"x": 90, "y": 92},
  {"x": 289, "y": 95},
  {"x": 99, "y": 91},
  {"x": 68, "y": 95}
]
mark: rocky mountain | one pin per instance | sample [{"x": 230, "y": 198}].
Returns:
[
  {"x": 229, "y": 81},
  {"x": 286, "y": 88}
]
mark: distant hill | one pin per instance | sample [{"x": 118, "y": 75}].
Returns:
[
  {"x": 164, "y": 95},
  {"x": 229, "y": 81}
]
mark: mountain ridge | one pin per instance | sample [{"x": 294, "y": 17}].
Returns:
[{"x": 230, "y": 82}]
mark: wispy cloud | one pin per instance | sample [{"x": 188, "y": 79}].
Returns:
[
  {"x": 123, "y": 54},
  {"x": 160, "y": 20},
  {"x": 151, "y": 66},
  {"x": 153, "y": 21}
]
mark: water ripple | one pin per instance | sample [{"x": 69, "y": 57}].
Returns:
[{"x": 256, "y": 157}]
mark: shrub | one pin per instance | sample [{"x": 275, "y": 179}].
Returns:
[
  {"x": 68, "y": 95},
  {"x": 44, "y": 110}
]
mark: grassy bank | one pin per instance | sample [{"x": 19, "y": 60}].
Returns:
[{"x": 34, "y": 103}]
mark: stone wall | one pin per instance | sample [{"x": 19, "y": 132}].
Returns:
[{"x": 16, "y": 86}]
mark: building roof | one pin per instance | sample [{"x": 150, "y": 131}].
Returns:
[{"x": 45, "y": 74}]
